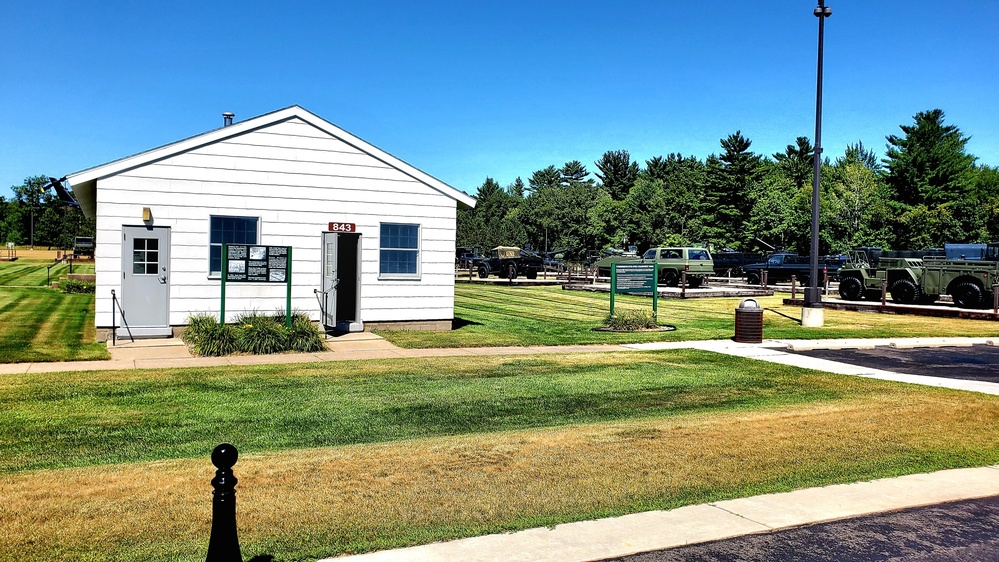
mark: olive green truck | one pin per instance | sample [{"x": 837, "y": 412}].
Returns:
[
  {"x": 921, "y": 280},
  {"x": 673, "y": 262}
]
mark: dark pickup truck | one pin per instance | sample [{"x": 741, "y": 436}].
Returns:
[
  {"x": 780, "y": 267},
  {"x": 83, "y": 247}
]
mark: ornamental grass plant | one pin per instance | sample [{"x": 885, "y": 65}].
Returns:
[
  {"x": 631, "y": 320},
  {"x": 252, "y": 333}
]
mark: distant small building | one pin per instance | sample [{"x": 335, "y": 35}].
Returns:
[{"x": 372, "y": 237}]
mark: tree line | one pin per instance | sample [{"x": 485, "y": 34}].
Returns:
[
  {"x": 926, "y": 191},
  {"x": 36, "y": 214}
]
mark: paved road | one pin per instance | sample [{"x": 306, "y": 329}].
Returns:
[
  {"x": 977, "y": 362},
  {"x": 966, "y": 531}
]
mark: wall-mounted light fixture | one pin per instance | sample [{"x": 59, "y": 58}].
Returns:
[{"x": 147, "y": 214}]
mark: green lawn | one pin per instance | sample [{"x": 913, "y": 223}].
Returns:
[
  {"x": 38, "y": 323},
  {"x": 80, "y": 419},
  {"x": 32, "y": 273},
  {"x": 519, "y": 316},
  {"x": 358, "y": 455}
]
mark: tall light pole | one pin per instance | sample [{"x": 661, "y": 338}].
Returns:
[{"x": 812, "y": 294}]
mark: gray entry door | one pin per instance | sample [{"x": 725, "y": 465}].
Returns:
[
  {"x": 145, "y": 281},
  {"x": 330, "y": 279}
]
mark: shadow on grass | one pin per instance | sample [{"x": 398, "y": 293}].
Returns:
[
  {"x": 791, "y": 318},
  {"x": 459, "y": 323}
]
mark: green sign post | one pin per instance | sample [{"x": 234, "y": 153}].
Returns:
[
  {"x": 251, "y": 263},
  {"x": 635, "y": 278}
]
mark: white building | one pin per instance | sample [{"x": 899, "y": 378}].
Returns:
[{"x": 372, "y": 237}]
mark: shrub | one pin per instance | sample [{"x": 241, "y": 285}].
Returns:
[
  {"x": 74, "y": 286},
  {"x": 252, "y": 332},
  {"x": 197, "y": 326},
  {"x": 260, "y": 334},
  {"x": 304, "y": 336},
  {"x": 631, "y": 320},
  {"x": 209, "y": 338},
  {"x": 218, "y": 340}
]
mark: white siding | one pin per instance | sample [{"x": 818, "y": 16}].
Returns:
[{"x": 296, "y": 179}]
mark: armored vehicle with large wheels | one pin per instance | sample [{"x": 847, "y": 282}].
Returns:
[{"x": 921, "y": 280}]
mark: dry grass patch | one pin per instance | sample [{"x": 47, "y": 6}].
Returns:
[{"x": 303, "y": 504}]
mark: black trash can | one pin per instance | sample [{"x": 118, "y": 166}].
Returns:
[{"x": 749, "y": 322}]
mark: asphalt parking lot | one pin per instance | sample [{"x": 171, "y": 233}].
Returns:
[
  {"x": 963, "y": 531},
  {"x": 975, "y": 363}
]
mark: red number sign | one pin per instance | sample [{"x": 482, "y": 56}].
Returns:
[{"x": 343, "y": 227}]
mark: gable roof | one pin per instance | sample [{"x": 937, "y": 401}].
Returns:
[{"x": 84, "y": 182}]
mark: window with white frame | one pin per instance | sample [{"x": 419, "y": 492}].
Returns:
[
  {"x": 399, "y": 250},
  {"x": 229, "y": 230}
]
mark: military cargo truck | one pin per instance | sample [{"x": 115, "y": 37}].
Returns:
[
  {"x": 510, "y": 262},
  {"x": 695, "y": 262},
  {"x": 915, "y": 280}
]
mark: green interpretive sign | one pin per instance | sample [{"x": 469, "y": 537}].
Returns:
[
  {"x": 256, "y": 264},
  {"x": 639, "y": 278},
  {"x": 635, "y": 278},
  {"x": 253, "y": 263}
]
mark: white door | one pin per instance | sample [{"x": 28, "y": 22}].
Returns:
[
  {"x": 330, "y": 279},
  {"x": 145, "y": 280}
]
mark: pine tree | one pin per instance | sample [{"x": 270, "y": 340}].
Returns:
[
  {"x": 797, "y": 162},
  {"x": 732, "y": 179},
  {"x": 574, "y": 172},
  {"x": 549, "y": 177},
  {"x": 617, "y": 173},
  {"x": 928, "y": 164}
]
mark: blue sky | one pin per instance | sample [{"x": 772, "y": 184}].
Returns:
[{"x": 466, "y": 90}]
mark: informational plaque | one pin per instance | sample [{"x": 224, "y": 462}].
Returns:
[
  {"x": 640, "y": 278},
  {"x": 247, "y": 263},
  {"x": 635, "y": 278}
]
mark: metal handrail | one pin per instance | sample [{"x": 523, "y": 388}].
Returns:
[
  {"x": 322, "y": 303},
  {"x": 114, "y": 327}
]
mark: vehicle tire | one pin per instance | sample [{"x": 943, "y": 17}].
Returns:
[
  {"x": 669, "y": 278},
  {"x": 968, "y": 295},
  {"x": 483, "y": 272},
  {"x": 694, "y": 282},
  {"x": 510, "y": 271},
  {"x": 754, "y": 279},
  {"x": 531, "y": 274},
  {"x": 851, "y": 289},
  {"x": 904, "y": 291}
]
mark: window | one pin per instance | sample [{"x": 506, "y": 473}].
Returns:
[
  {"x": 698, "y": 254},
  {"x": 228, "y": 230},
  {"x": 145, "y": 256},
  {"x": 650, "y": 254},
  {"x": 399, "y": 250}
]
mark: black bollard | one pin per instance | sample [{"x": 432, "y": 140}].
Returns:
[{"x": 223, "y": 546}]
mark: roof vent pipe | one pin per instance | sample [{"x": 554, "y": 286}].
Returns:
[{"x": 227, "y": 118}]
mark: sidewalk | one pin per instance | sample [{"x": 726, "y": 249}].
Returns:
[{"x": 656, "y": 530}]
